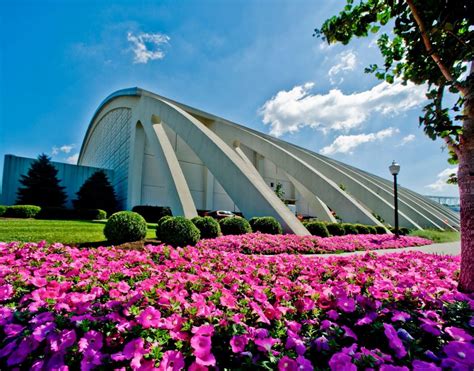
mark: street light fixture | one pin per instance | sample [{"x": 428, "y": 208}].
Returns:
[{"x": 394, "y": 170}]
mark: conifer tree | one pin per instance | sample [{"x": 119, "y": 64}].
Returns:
[
  {"x": 40, "y": 186},
  {"x": 96, "y": 193}
]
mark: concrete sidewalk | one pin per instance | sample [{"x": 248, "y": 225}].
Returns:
[{"x": 448, "y": 248}]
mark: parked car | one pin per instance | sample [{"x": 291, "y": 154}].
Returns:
[{"x": 221, "y": 214}]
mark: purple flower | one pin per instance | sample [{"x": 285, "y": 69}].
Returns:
[
  {"x": 322, "y": 344},
  {"x": 418, "y": 365},
  {"x": 394, "y": 341},
  {"x": 347, "y": 305},
  {"x": 92, "y": 340},
  {"x": 341, "y": 362},
  {"x": 26, "y": 346},
  {"x": 304, "y": 364},
  {"x": 13, "y": 330},
  {"x": 404, "y": 335},
  {"x": 6, "y": 292},
  {"x": 238, "y": 343},
  {"x": 172, "y": 360},
  {"x": 386, "y": 367},
  {"x": 150, "y": 317},
  {"x": 265, "y": 345},
  {"x": 461, "y": 354},
  {"x": 287, "y": 363},
  {"x": 458, "y": 334},
  {"x": 91, "y": 359}
]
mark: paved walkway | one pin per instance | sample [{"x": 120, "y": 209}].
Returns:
[{"x": 448, "y": 248}]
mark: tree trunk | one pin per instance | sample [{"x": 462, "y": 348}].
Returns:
[{"x": 466, "y": 193}]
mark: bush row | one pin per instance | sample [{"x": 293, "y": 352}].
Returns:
[
  {"x": 152, "y": 213},
  {"x": 323, "y": 229},
  {"x": 33, "y": 211}
]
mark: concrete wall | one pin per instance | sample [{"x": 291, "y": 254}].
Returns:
[{"x": 71, "y": 176}]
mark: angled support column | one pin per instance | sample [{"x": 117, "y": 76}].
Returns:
[
  {"x": 320, "y": 208},
  {"x": 248, "y": 191}
]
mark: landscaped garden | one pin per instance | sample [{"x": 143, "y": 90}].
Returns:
[{"x": 203, "y": 307}]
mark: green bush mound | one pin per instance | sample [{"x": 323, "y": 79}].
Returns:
[
  {"x": 177, "y": 231},
  {"x": 152, "y": 213},
  {"x": 317, "y": 229},
  {"x": 380, "y": 230},
  {"x": 335, "y": 229},
  {"x": 350, "y": 228},
  {"x": 402, "y": 231},
  {"x": 125, "y": 226},
  {"x": 362, "y": 229},
  {"x": 235, "y": 226},
  {"x": 208, "y": 227},
  {"x": 372, "y": 229},
  {"x": 22, "y": 211},
  {"x": 265, "y": 224},
  {"x": 3, "y": 210}
]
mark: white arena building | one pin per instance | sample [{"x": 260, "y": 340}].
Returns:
[{"x": 161, "y": 152}]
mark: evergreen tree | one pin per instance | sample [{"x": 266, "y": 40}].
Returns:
[
  {"x": 41, "y": 185},
  {"x": 96, "y": 193}
]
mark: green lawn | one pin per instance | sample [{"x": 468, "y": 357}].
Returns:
[
  {"x": 437, "y": 236},
  {"x": 71, "y": 232}
]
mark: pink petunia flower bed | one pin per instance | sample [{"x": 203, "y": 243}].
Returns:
[
  {"x": 198, "y": 308},
  {"x": 259, "y": 243}
]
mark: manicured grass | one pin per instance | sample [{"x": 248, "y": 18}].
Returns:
[
  {"x": 70, "y": 232},
  {"x": 437, "y": 236}
]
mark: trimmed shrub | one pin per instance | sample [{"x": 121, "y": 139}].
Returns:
[
  {"x": 335, "y": 229},
  {"x": 402, "y": 231},
  {"x": 380, "y": 230},
  {"x": 3, "y": 210},
  {"x": 177, "y": 231},
  {"x": 22, "y": 211},
  {"x": 361, "y": 229},
  {"x": 317, "y": 229},
  {"x": 252, "y": 222},
  {"x": 235, "y": 226},
  {"x": 125, "y": 226},
  {"x": 372, "y": 229},
  {"x": 91, "y": 214},
  {"x": 208, "y": 227},
  {"x": 58, "y": 213},
  {"x": 266, "y": 224},
  {"x": 350, "y": 228},
  {"x": 152, "y": 213}
]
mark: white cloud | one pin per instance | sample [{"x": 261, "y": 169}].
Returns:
[
  {"x": 147, "y": 46},
  {"x": 66, "y": 148},
  {"x": 347, "y": 143},
  {"x": 409, "y": 138},
  {"x": 440, "y": 184},
  {"x": 73, "y": 159},
  {"x": 289, "y": 111},
  {"x": 348, "y": 61}
]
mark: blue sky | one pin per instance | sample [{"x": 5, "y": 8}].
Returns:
[{"x": 252, "y": 62}]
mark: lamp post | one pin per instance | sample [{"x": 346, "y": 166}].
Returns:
[{"x": 394, "y": 170}]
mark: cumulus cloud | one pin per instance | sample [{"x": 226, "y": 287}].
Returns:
[
  {"x": 73, "y": 159},
  {"x": 147, "y": 46},
  {"x": 440, "y": 184},
  {"x": 64, "y": 149},
  {"x": 289, "y": 111},
  {"x": 347, "y": 143},
  {"x": 347, "y": 62},
  {"x": 407, "y": 139}
]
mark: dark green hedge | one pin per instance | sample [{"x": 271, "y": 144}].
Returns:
[
  {"x": 22, "y": 211},
  {"x": 208, "y": 227},
  {"x": 235, "y": 226},
  {"x": 265, "y": 224},
  {"x": 335, "y": 229},
  {"x": 125, "y": 226},
  {"x": 317, "y": 229},
  {"x": 177, "y": 231}
]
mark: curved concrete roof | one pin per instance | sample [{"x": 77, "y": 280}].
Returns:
[{"x": 312, "y": 173}]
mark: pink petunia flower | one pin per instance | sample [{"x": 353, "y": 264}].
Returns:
[
  {"x": 287, "y": 364},
  {"x": 172, "y": 360},
  {"x": 150, "y": 317},
  {"x": 238, "y": 343}
]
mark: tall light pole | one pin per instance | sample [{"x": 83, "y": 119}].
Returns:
[{"x": 394, "y": 170}]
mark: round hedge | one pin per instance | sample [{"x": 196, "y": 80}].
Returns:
[
  {"x": 235, "y": 226},
  {"x": 125, "y": 226},
  {"x": 362, "y": 229},
  {"x": 177, "y": 231},
  {"x": 22, "y": 211},
  {"x": 380, "y": 230},
  {"x": 335, "y": 229},
  {"x": 372, "y": 229},
  {"x": 317, "y": 229},
  {"x": 3, "y": 210},
  {"x": 350, "y": 228},
  {"x": 267, "y": 224},
  {"x": 160, "y": 222},
  {"x": 208, "y": 227}
]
